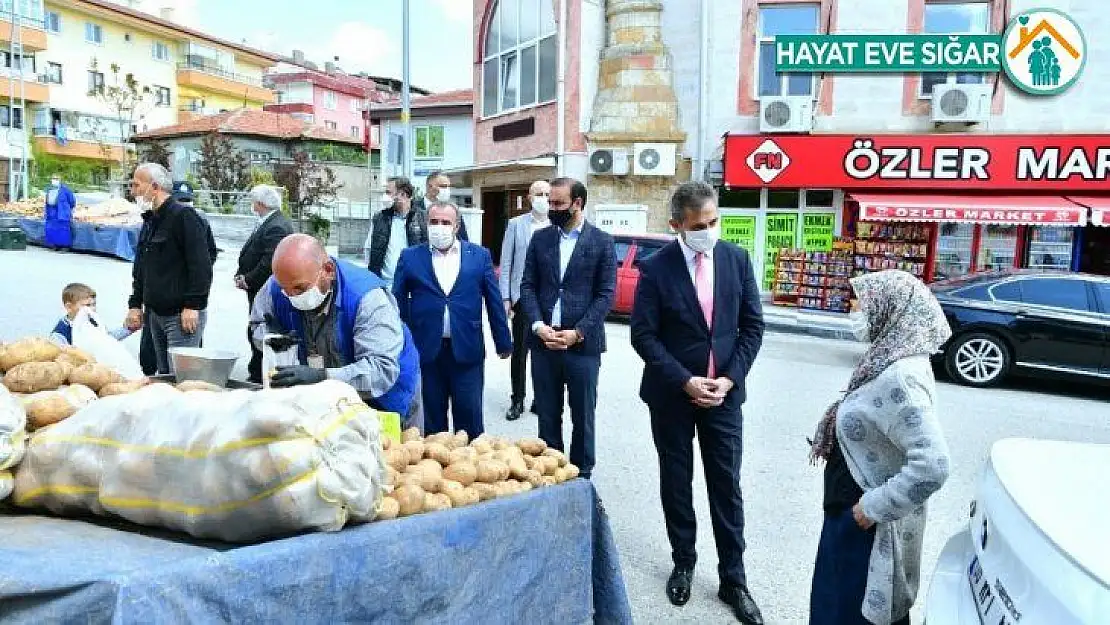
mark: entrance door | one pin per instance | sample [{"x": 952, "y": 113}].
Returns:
[
  {"x": 1095, "y": 255},
  {"x": 494, "y": 217}
]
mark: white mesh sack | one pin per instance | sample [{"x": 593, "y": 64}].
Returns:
[{"x": 237, "y": 466}]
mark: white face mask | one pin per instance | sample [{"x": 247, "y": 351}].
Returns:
[
  {"x": 441, "y": 237},
  {"x": 444, "y": 194},
  {"x": 311, "y": 299},
  {"x": 540, "y": 205},
  {"x": 702, "y": 240},
  {"x": 386, "y": 199},
  {"x": 861, "y": 329}
]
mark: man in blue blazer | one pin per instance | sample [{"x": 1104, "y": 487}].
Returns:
[
  {"x": 570, "y": 274},
  {"x": 698, "y": 325},
  {"x": 439, "y": 289}
]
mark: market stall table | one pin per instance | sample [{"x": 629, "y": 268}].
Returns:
[
  {"x": 117, "y": 241},
  {"x": 545, "y": 556}
]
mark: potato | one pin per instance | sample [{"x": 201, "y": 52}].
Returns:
[
  {"x": 532, "y": 446},
  {"x": 75, "y": 356},
  {"x": 503, "y": 489},
  {"x": 121, "y": 388},
  {"x": 415, "y": 450},
  {"x": 386, "y": 443},
  {"x": 462, "y": 439},
  {"x": 446, "y": 486},
  {"x": 389, "y": 509},
  {"x": 396, "y": 458},
  {"x": 491, "y": 471},
  {"x": 518, "y": 468},
  {"x": 95, "y": 377},
  {"x": 481, "y": 447},
  {"x": 434, "y": 502},
  {"x": 462, "y": 472},
  {"x": 67, "y": 368},
  {"x": 429, "y": 478},
  {"x": 525, "y": 487},
  {"x": 392, "y": 476},
  {"x": 500, "y": 444},
  {"x": 27, "y": 350},
  {"x": 411, "y": 434},
  {"x": 78, "y": 395},
  {"x": 485, "y": 491},
  {"x": 463, "y": 497},
  {"x": 431, "y": 466},
  {"x": 533, "y": 478},
  {"x": 410, "y": 499},
  {"x": 48, "y": 410},
  {"x": 463, "y": 453},
  {"x": 549, "y": 464},
  {"x": 572, "y": 471},
  {"x": 438, "y": 452},
  {"x": 443, "y": 438},
  {"x": 415, "y": 478},
  {"x": 535, "y": 464},
  {"x": 556, "y": 454},
  {"x": 560, "y": 475},
  {"x": 198, "y": 385},
  {"x": 547, "y": 480},
  {"x": 33, "y": 377}
]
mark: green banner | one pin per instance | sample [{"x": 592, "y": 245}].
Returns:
[
  {"x": 739, "y": 229},
  {"x": 817, "y": 231},
  {"x": 902, "y": 54},
  {"x": 781, "y": 232}
]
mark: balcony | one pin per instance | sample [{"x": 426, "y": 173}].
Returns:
[
  {"x": 200, "y": 73},
  {"x": 35, "y": 88},
  {"x": 32, "y": 31},
  {"x": 77, "y": 145},
  {"x": 191, "y": 111}
]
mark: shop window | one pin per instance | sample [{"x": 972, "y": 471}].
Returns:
[
  {"x": 519, "y": 56},
  {"x": 740, "y": 198},
  {"x": 820, "y": 198},
  {"x": 954, "y": 18},
  {"x": 788, "y": 199},
  {"x": 997, "y": 248},
  {"x": 1056, "y": 293},
  {"x": 782, "y": 19}
]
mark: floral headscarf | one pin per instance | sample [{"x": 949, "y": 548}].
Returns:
[{"x": 905, "y": 320}]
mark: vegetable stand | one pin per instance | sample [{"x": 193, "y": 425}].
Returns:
[{"x": 545, "y": 556}]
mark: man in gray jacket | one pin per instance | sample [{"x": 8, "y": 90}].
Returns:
[{"x": 514, "y": 249}]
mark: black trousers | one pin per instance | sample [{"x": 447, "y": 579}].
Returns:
[
  {"x": 254, "y": 367},
  {"x": 720, "y": 438},
  {"x": 556, "y": 372},
  {"x": 148, "y": 360},
  {"x": 519, "y": 362}
]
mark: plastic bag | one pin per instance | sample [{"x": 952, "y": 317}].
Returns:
[
  {"x": 273, "y": 358},
  {"x": 13, "y": 429},
  {"x": 237, "y": 466},
  {"x": 90, "y": 335}
]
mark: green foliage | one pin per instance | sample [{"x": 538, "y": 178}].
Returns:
[
  {"x": 78, "y": 173},
  {"x": 319, "y": 227},
  {"x": 261, "y": 176},
  {"x": 156, "y": 152},
  {"x": 336, "y": 153},
  {"x": 307, "y": 183},
  {"x": 222, "y": 167}
]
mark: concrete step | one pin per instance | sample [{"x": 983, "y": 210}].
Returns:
[{"x": 808, "y": 322}]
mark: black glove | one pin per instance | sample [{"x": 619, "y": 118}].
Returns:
[
  {"x": 282, "y": 342},
  {"x": 297, "y": 375}
]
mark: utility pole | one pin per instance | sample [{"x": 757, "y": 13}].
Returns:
[{"x": 406, "y": 147}]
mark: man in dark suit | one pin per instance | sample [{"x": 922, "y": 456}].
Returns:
[
  {"x": 570, "y": 273},
  {"x": 257, "y": 255},
  {"x": 698, "y": 325},
  {"x": 439, "y": 290}
]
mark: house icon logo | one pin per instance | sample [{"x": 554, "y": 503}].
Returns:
[{"x": 1044, "y": 51}]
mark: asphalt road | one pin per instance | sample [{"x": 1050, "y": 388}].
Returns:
[{"x": 793, "y": 380}]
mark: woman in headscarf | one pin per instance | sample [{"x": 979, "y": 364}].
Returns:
[{"x": 885, "y": 456}]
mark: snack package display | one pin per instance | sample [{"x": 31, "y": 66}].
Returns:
[{"x": 237, "y": 466}]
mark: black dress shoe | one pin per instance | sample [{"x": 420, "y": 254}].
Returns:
[
  {"x": 514, "y": 412},
  {"x": 743, "y": 606},
  {"x": 678, "y": 585},
  {"x": 532, "y": 408}
]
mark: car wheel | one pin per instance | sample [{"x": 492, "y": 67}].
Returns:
[{"x": 978, "y": 359}]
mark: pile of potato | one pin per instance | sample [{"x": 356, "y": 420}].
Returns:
[
  {"x": 450, "y": 471},
  {"x": 32, "y": 208}
]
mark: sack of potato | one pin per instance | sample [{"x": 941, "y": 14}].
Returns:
[
  {"x": 450, "y": 471},
  {"x": 236, "y": 466},
  {"x": 13, "y": 432}
]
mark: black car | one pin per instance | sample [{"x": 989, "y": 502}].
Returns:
[{"x": 1040, "y": 323}]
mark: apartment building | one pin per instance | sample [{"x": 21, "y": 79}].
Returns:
[{"x": 74, "y": 51}]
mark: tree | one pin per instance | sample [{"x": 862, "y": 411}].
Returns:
[
  {"x": 308, "y": 184},
  {"x": 222, "y": 167},
  {"x": 156, "y": 152},
  {"x": 128, "y": 100}
]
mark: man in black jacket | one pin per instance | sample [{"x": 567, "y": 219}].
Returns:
[
  {"x": 257, "y": 255},
  {"x": 437, "y": 188},
  {"x": 172, "y": 275},
  {"x": 393, "y": 229}
]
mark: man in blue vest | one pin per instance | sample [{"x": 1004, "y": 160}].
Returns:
[{"x": 346, "y": 324}]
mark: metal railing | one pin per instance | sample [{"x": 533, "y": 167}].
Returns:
[
  {"x": 73, "y": 134},
  {"x": 204, "y": 65}
]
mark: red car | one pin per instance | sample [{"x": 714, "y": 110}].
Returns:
[{"x": 631, "y": 249}]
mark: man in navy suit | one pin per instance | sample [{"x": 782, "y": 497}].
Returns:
[
  {"x": 698, "y": 325},
  {"x": 570, "y": 274},
  {"x": 440, "y": 288}
]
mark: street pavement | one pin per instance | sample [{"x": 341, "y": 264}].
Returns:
[{"x": 792, "y": 382}]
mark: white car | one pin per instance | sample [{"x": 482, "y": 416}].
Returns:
[{"x": 1037, "y": 548}]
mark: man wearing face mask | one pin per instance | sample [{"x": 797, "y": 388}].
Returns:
[
  {"x": 393, "y": 229},
  {"x": 440, "y": 288},
  {"x": 514, "y": 249},
  {"x": 698, "y": 325},
  {"x": 58, "y": 215},
  {"x": 256, "y": 257},
  {"x": 437, "y": 188},
  {"x": 570, "y": 275},
  {"x": 346, "y": 325},
  {"x": 172, "y": 274}
]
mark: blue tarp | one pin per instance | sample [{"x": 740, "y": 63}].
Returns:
[
  {"x": 546, "y": 556},
  {"x": 118, "y": 241}
]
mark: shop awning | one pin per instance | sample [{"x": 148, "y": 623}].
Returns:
[
  {"x": 992, "y": 210},
  {"x": 1099, "y": 205}
]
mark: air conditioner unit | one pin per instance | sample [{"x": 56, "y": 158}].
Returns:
[
  {"x": 966, "y": 104},
  {"x": 786, "y": 114},
  {"x": 654, "y": 159},
  {"x": 609, "y": 162}
]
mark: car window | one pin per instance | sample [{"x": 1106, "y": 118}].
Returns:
[
  {"x": 1006, "y": 292},
  {"x": 644, "y": 249},
  {"x": 979, "y": 292},
  {"x": 1102, "y": 289},
  {"x": 620, "y": 248},
  {"x": 1058, "y": 293}
]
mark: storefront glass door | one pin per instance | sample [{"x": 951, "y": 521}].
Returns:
[
  {"x": 955, "y": 243},
  {"x": 1050, "y": 247},
  {"x": 997, "y": 248}
]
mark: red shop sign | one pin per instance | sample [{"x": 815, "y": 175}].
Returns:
[
  {"x": 964, "y": 162},
  {"x": 971, "y": 215}
]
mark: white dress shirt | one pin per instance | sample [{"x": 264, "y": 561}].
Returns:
[
  {"x": 447, "y": 265},
  {"x": 691, "y": 258}
]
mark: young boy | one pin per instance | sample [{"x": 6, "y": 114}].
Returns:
[{"x": 74, "y": 297}]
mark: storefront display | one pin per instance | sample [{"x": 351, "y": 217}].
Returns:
[
  {"x": 814, "y": 280},
  {"x": 780, "y": 233},
  {"x": 1050, "y": 248},
  {"x": 997, "y": 248},
  {"x": 891, "y": 246}
]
